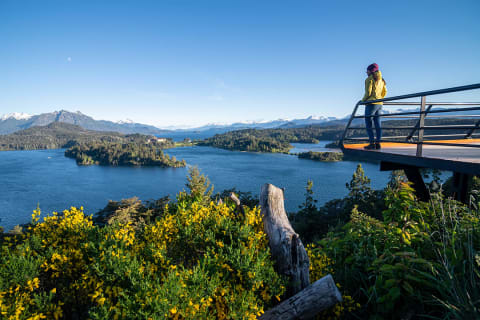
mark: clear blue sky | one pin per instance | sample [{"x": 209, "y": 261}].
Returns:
[{"x": 195, "y": 62}]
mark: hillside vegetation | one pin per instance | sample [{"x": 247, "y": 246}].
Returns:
[
  {"x": 392, "y": 256},
  {"x": 193, "y": 260},
  {"x": 63, "y": 135},
  {"x": 398, "y": 257}
]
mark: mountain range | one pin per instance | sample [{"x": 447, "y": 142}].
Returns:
[
  {"x": 18, "y": 121},
  {"x": 279, "y": 123},
  {"x": 13, "y": 122}
]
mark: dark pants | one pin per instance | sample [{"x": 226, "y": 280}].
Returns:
[{"x": 372, "y": 112}]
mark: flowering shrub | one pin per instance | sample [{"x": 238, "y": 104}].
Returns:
[
  {"x": 195, "y": 261},
  {"x": 320, "y": 266}
]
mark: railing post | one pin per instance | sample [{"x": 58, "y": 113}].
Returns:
[
  {"x": 421, "y": 124},
  {"x": 410, "y": 135},
  {"x": 470, "y": 133},
  {"x": 348, "y": 124}
]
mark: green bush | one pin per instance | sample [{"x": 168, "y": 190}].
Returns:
[
  {"x": 312, "y": 223},
  {"x": 422, "y": 259}
]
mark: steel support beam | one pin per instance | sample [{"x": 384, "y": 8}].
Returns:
[
  {"x": 413, "y": 175},
  {"x": 421, "y": 123},
  {"x": 461, "y": 182}
]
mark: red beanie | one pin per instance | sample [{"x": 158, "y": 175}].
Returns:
[{"x": 373, "y": 67}]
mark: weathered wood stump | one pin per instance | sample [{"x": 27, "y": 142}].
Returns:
[
  {"x": 239, "y": 207},
  {"x": 306, "y": 304},
  {"x": 291, "y": 259}
]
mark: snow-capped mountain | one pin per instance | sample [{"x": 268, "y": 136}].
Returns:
[
  {"x": 127, "y": 121},
  {"x": 16, "y": 116},
  {"x": 19, "y": 121},
  {"x": 312, "y": 120}
]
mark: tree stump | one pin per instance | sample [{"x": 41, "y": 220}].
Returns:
[
  {"x": 239, "y": 207},
  {"x": 306, "y": 304},
  {"x": 291, "y": 259}
]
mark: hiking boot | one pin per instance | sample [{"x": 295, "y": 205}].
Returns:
[
  {"x": 371, "y": 146},
  {"x": 378, "y": 146}
]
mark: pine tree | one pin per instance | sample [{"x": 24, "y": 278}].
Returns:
[
  {"x": 199, "y": 185},
  {"x": 359, "y": 186},
  {"x": 309, "y": 204}
]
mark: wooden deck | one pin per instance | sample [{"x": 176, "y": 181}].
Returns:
[{"x": 457, "y": 159}]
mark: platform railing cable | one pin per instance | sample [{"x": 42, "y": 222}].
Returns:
[{"x": 418, "y": 133}]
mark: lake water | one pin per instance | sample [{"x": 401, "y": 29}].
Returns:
[
  {"x": 48, "y": 178},
  {"x": 305, "y": 147}
]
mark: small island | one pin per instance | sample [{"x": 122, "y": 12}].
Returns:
[
  {"x": 322, "y": 156},
  {"x": 122, "y": 154}
]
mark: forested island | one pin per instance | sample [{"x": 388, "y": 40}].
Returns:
[
  {"x": 271, "y": 140},
  {"x": 322, "y": 156},
  {"x": 122, "y": 154}
]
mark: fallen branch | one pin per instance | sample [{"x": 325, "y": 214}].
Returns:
[{"x": 306, "y": 304}]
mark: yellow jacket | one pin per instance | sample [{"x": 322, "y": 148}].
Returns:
[{"x": 375, "y": 88}]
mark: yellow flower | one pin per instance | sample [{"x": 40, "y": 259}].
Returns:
[{"x": 101, "y": 301}]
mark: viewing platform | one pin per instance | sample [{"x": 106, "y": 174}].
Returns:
[{"x": 421, "y": 134}]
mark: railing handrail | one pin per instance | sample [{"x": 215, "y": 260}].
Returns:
[
  {"x": 422, "y": 112},
  {"x": 425, "y": 93},
  {"x": 432, "y": 103}
]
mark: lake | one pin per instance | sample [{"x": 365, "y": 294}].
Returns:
[
  {"x": 317, "y": 147},
  {"x": 48, "y": 178}
]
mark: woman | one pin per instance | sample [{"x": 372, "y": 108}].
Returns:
[{"x": 375, "y": 88}]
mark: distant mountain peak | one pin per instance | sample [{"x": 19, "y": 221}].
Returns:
[
  {"x": 17, "y": 116},
  {"x": 126, "y": 121}
]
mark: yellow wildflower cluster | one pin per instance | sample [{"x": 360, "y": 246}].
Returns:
[
  {"x": 23, "y": 303},
  {"x": 195, "y": 261},
  {"x": 320, "y": 266}
]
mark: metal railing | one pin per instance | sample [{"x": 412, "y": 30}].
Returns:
[{"x": 416, "y": 133}]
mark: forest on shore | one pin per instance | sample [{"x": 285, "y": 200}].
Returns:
[{"x": 58, "y": 135}]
